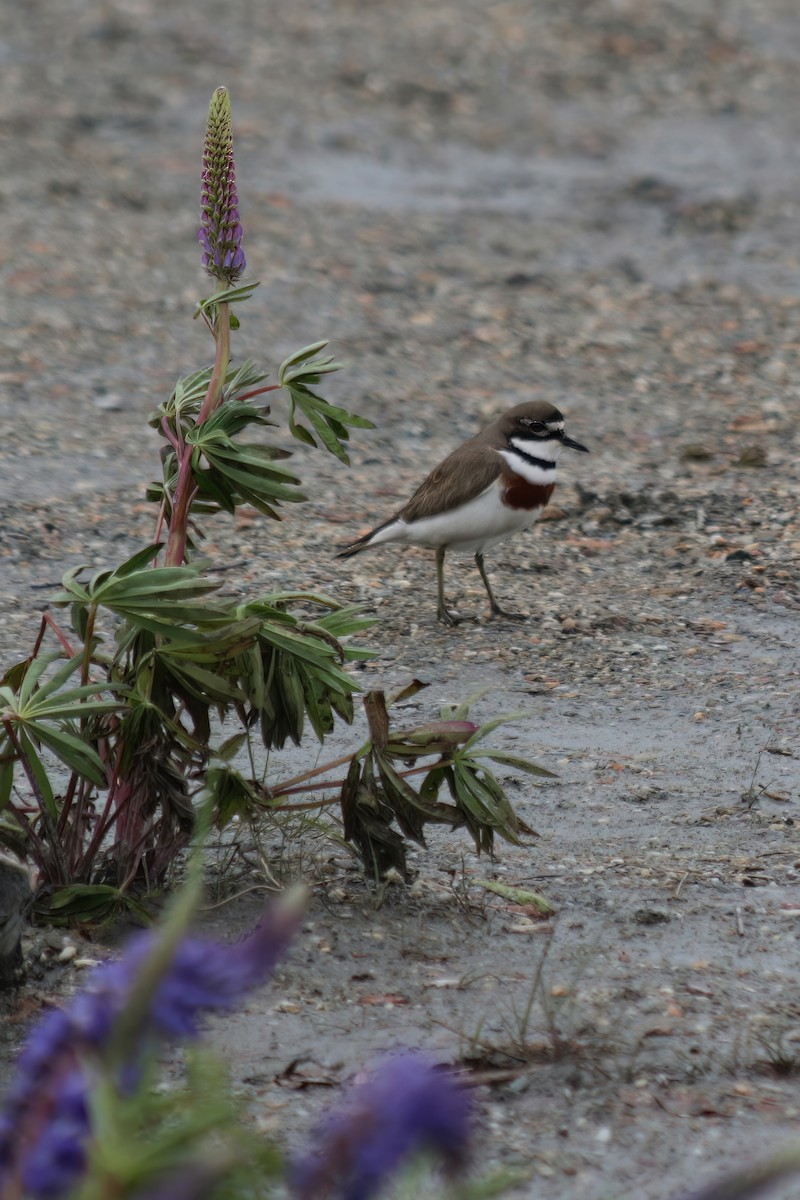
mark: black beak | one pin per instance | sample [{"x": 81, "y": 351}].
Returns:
[{"x": 572, "y": 444}]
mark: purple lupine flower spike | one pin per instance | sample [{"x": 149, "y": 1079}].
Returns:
[
  {"x": 45, "y": 1122},
  {"x": 406, "y": 1106},
  {"x": 220, "y": 232}
]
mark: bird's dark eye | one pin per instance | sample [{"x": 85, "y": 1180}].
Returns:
[{"x": 537, "y": 425}]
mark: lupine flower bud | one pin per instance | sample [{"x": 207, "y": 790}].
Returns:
[
  {"x": 220, "y": 232},
  {"x": 45, "y": 1123},
  {"x": 405, "y": 1107}
]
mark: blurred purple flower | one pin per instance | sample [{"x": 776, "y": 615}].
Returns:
[
  {"x": 45, "y": 1123},
  {"x": 220, "y": 232},
  {"x": 406, "y": 1106}
]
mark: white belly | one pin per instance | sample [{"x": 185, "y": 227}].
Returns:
[{"x": 471, "y": 529}]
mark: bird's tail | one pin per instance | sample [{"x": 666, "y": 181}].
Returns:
[
  {"x": 355, "y": 547},
  {"x": 382, "y": 533}
]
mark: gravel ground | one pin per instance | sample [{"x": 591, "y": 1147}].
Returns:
[{"x": 589, "y": 201}]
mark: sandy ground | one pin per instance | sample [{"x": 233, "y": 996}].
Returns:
[{"x": 588, "y": 201}]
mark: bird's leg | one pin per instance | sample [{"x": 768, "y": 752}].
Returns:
[
  {"x": 443, "y": 613},
  {"x": 496, "y": 610}
]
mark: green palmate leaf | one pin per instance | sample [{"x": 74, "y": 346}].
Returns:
[
  {"x": 184, "y": 401},
  {"x": 140, "y": 621},
  {"x": 225, "y": 642},
  {"x": 71, "y": 703},
  {"x": 490, "y": 726},
  {"x": 15, "y": 674},
  {"x": 366, "y": 819},
  {"x": 293, "y": 675},
  {"x": 37, "y": 668},
  {"x": 68, "y": 706},
  {"x": 169, "y": 612},
  {"x": 274, "y": 605},
  {"x": 331, "y": 437},
  {"x": 299, "y": 356},
  {"x": 348, "y": 797},
  {"x": 226, "y": 422},
  {"x": 70, "y": 749},
  {"x": 231, "y": 747},
  {"x": 163, "y": 586},
  {"x": 164, "y": 592},
  {"x": 328, "y": 421},
  {"x": 38, "y": 771},
  {"x": 299, "y": 431},
  {"x": 318, "y": 711},
  {"x": 247, "y": 375},
  {"x": 89, "y": 902},
  {"x": 142, "y": 558},
  {"x": 423, "y": 802},
  {"x": 311, "y": 652},
  {"x": 345, "y": 623},
  {"x": 191, "y": 389},
  {"x": 250, "y": 457},
  {"x": 240, "y": 472},
  {"x": 205, "y": 685},
  {"x": 432, "y": 783},
  {"x": 251, "y": 677},
  {"x": 213, "y": 485},
  {"x": 266, "y": 485},
  {"x": 57, "y": 680},
  {"x": 482, "y": 796},
  {"x": 473, "y": 795},
  {"x": 402, "y": 799},
  {"x": 187, "y": 398},
  {"x": 515, "y": 761},
  {"x": 73, "y": 590},
  {"x": 311, "y": 402},
  {"x": 233, "y": 795},
  {"x": 228, "y": 296}
]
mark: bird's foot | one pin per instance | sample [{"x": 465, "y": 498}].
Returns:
[
  {"x": 497, "y": 611},
  {"x": 447, "y": 616}
]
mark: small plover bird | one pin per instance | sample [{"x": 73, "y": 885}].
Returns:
[{"x": 493, "y": 485}]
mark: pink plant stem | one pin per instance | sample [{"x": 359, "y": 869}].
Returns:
[
  {"x": 103, "y": 823},
  {"x": 283, "y": 790},
  {"x": 47, "y": 620},
  {"x": 328, "y": 766},
  {"x": 186, "y": 488},
  {"x": 271, "y": 387}
]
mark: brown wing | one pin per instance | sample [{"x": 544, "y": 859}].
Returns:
[{"x": 461, "y": 477}]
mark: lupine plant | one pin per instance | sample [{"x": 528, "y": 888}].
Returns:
[
  {"x": 154, "y": 690},
  {"x": 82, "y": 1118}
]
